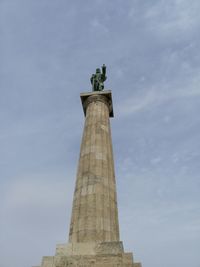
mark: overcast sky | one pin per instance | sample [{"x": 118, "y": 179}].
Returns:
[{"x": 48, "y": 51}]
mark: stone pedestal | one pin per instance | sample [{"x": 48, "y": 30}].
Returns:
[
  {"x": 105, "y": 254},
  {"x": 94, "y": 229}
]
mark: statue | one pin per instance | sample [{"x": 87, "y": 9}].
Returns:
[{"x": 98, "y": 79}]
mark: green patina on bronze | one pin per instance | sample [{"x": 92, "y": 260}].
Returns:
[{"x": 98, "y": 79}]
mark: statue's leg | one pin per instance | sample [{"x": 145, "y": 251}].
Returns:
[
  {"x": 101, "y": 86},
  {"x": 95, "y": 86}
]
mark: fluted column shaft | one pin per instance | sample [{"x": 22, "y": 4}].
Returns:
[{"x": 94, "y": 212}]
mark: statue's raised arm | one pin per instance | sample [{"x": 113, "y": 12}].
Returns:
[
  {"x": 98, "y": 79},
  {"x": 104, "y": 71}
]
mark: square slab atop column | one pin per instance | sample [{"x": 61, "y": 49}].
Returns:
[{"x": 107, "y": 94}]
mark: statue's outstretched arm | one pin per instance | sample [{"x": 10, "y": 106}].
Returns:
[
  {"x": 104, "y": 69},
  {"x": 103, "y": 75}
]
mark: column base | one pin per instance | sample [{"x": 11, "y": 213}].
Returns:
[{"x": 105, "y": 254}]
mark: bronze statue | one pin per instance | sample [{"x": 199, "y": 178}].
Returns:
[{"x": 98, "y": 79}]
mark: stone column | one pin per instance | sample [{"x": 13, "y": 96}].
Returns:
[
  {"x": 94, "y": 230},
  {"x": 94, "y": 212}
]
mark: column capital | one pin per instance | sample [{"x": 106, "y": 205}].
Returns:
[{"x": 103, "y": 96}]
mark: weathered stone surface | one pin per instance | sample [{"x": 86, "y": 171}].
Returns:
[
  {"x": 94, "y": 229},
  {"x": 94, "y": 213},
  {"x": 138, "y": 264},
  {"x": 108, "y": 254}
]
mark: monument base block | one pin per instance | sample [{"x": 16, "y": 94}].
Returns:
[{"x": 105, "y": 254}]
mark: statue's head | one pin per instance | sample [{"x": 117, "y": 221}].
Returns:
[{"x": 98, "y": 70}]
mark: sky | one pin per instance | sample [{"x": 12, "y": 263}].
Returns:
[{"x": 48, "y": 51}]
